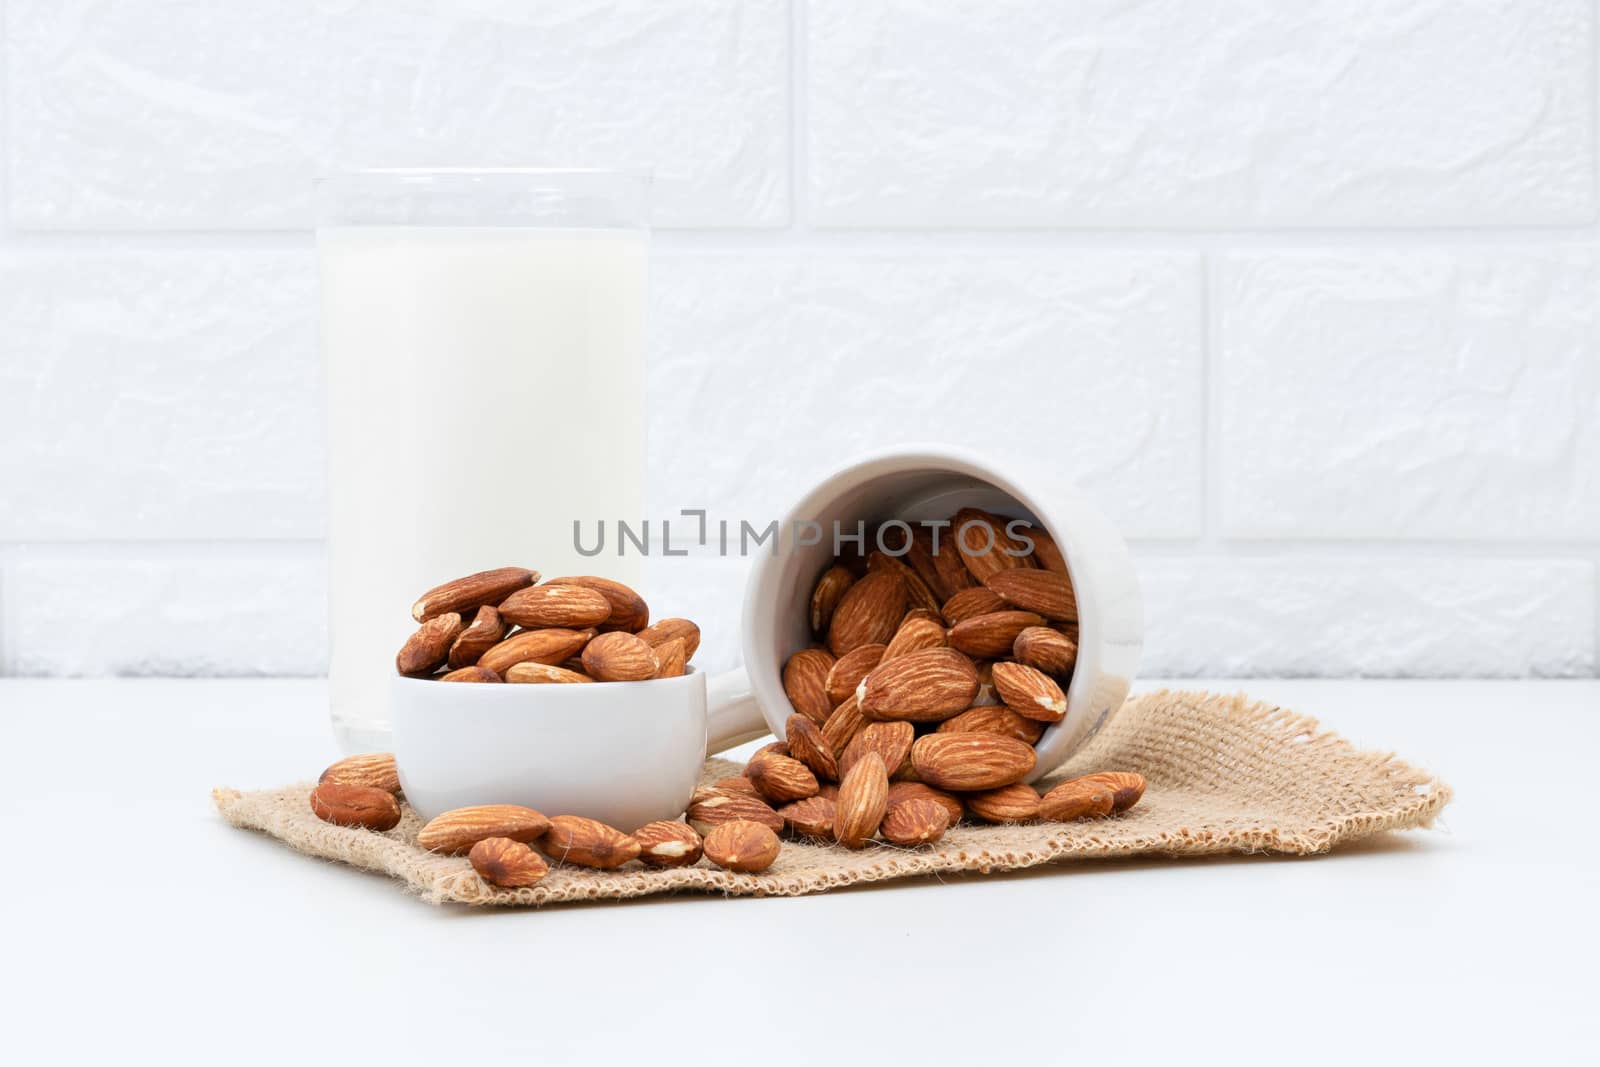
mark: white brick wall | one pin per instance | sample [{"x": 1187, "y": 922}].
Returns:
[{"x": 1305, "y": 294}]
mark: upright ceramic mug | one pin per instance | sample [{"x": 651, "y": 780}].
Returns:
[{"x": 628, "y": 753}]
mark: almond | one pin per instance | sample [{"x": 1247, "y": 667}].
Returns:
[
  {"x": 868, "y": 612},
  {"x": 782, "y": 778},
  {"x": 889, "y": 741},
  {"x": 903, "y": 791},
  {"x": 668, "y": 844},
  {"x": 619, "y": 657},
  {"x": 375, "y": 770},
  {"x": 953, "y": 573},
  {"x": 486, "y": 631},
  {"x": 533, "y": 646},
  {"x": 1078, "y": 798},
  {"x": 1009, "y": 803},
  {"x": 1045, "y": 551},
  {"x": 456, "y": 831},
  {"x": 926, "y": 686},
  {"x": 628, "y": 610},
  {"x": 918, "y": 631},
  {"x": 913, "y": 822},
  {"x": 713, "y": 807},
  {"x": 573, "y": 607},
  {"x": 863, "y": 799},
  {"x": 465, "y": 596},
  {"x": 429, "y": 646},
  {"x": 742, "y": 846},
  {"x": 510, "y": 864},
  {"x": 1126, "y": 787},
  {"x": 1045, "y": 650},
  {"x": 994, "y": 719},
  {"x": 661, "y": 632},
  {"x": 991, "y": 636},
  {"x": 849, "y": 669},
  {"x": 588, "y": 843},
  {"x": 807, "y": 745},
  {"x": 805, "y": 682},
  {"x": 842, "y": 726},
  {"x": 941, "y": 581},
  {"x": 829, "y": 791},
  {"x": 918, "y": 593},
  {"x": 738, "y": 783},
  {"x": 970, "y": 762},
  {"x": 672, "y": 659},
  {"x": 471, "y": 674},
  {"x": 1041, "y": 592},
  {"x": 985, "y": 546},
  {"x": 825, "y": 597},
  {"x": 365, "y": 806},
  {"x": 1030, "y": 693},
  {"x": 544, "y": 674},
  {"x": 969, "y": 603},
  {"x": 811, "y": 817}
]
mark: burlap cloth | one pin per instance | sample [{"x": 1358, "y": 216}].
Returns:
[{"x": 1226, "y": 774}]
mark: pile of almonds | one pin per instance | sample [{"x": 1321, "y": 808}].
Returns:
[
  {"x": 576, "y": 629},
  {"x": 363, "y": 791}
]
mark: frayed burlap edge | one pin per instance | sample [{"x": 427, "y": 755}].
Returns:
[{"x": 1226, "y": 774}]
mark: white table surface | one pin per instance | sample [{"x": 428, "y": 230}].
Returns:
[{"x": 136, "y": 921}]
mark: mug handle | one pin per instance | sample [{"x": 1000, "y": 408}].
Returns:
[{"x": 732, "y": 714}]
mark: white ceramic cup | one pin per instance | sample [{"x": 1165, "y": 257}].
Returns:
[{"x": 628, "y": 753}]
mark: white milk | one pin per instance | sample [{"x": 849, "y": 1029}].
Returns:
[{"x": 485, "y": 389}]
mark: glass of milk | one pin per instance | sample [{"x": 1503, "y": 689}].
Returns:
[{"x": 483, "y": 337}]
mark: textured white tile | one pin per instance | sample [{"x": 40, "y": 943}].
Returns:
[
  {"x": 160, "y": 394},
  {"x": 1323, "y": 616},
  {"x": 1200, "y": 113},
  {"x": 768, "y": 370},
  {"x": 167, "y": 616},
  {"x": 1450, "y": 393},
  {"x": 194, "y": 114}
]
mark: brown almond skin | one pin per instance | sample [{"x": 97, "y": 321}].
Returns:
[
  {"x": 918, "y": 593},
  {"x": 903, "y": 791},
  {"x": 545, "y": 674},
  {"x": 994, "y": 719},
  {"x": 711, "y": 808},
  {"x": 991, "y": 636},
  {"x": 843, "y": 725},
  {"x": 781, "y": 779},
  {"x": 807, "y": 745},
  {"x": 672, "y": 659},
  {"x": 1046, "y": 650},
  {"x": 920, "y": 558},
  {"x": 364, "y": 806},
  {"x": 1039, "y": 591},
  {"x": 1009, "y": 803},
  {"x": 506, "y": 863},
  {"x": 619, "y": 657},
  {"x": 970, "y": 603},
  {"x": 668, "y": 844},
  {"x": 1127, "y": 787},
  {"x": 863, "y": 800},
  {"x": 825, "y": 597},
  {"x": 534, "y": 646},
  {"x": 429, "y": 647},
  {"x": 805, "y": 678},
  {"x": 811, "y": 817},
  {"x": 458, "y": 830},
  {"x": 742, "y": 845},
  {"x": 1030, "y": 693},
  {"x": 926, "y": 686},
  {"x": 849, "y": 669},
  {"x": 1078, "y": 798},
  {"x": 738, "y": 783},
  {"x": 917, "y": 632},
  {"x": 1046, "y": 553},
  {"x": 661, "y": 632},
  {"x": 465, "y": 596},
  {"x": 479, "y": 675},
  {"x": 916, "y": 821},
  {"x": 376, "y": 770},
  {"x": 889, "y": 741},
  {"x": 573, "y": 607},
  {"x": 486, "y": 631},
  {"x": 868, "y": 613},
  {"x": 971, "y": 762},
  {"x": 984, "y": 545},
  {"x": 629, "y": 611},
  {"x": 588, "y": 843}
]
